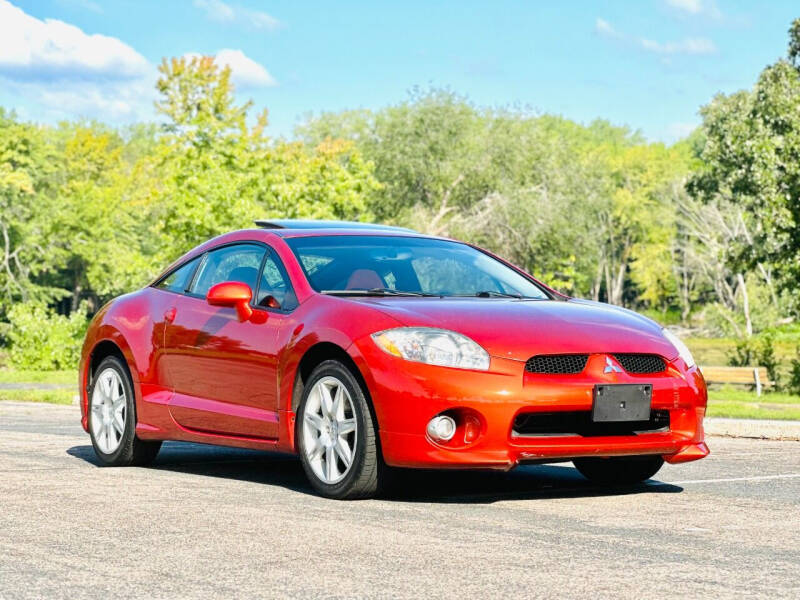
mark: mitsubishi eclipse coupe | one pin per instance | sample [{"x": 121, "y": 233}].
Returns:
[{"x": 365, "y": 347}]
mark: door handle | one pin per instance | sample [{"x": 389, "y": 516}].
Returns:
[{"x": 169, "y": 316}]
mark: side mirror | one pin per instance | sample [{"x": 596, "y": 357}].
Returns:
[{"x": 234, "y": 294}]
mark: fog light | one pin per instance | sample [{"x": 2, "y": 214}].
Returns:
[
  {"x": 442, "y": 428},
  {"x": 472, "y": 428}
]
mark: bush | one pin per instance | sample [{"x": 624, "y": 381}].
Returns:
[
  {"x": 40, "y": 339},
  {"x": 743, "y": 355},
  {"x": 766, "y": 358},
  {"x": 747, "y": 354},
  {"x": 794, "y": 374},
  {"x": 670, "y": 316}
]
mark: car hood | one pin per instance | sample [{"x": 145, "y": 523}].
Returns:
[{"x": 519, "y": 329}]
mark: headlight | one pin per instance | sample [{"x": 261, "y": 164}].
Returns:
[
  {"x": 683, "y": 351},
  {"x": 433, "y": 346}
]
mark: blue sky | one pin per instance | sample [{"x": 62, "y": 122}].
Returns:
[{"x": 649, "y": 64}]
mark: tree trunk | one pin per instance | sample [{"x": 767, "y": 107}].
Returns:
[
  {"x": 76, "y": 297},
  {"x": 768, "y": 280},
  {"x": 77, "y": 288},
  {"x": 619, "y": 284},
  {"x": 436, "y": 225},
  {"x": 598, "y": 280},
  {"x": 745, "y": 304}
]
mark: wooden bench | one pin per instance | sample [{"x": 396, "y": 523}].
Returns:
[{"x": 756, "y": 376}]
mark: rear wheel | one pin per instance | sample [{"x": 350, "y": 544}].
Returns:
[
  {"x": 112, "y": 418},
  {"x": 336, "y": 434},
  {"x": 619, "y": 470}
]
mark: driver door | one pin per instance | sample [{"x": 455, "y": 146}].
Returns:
[{"x": 223, "y": 372}]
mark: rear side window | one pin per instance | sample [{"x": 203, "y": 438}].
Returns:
[{"x": 180, "y": 279}]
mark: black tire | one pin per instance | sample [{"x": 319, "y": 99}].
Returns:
[
  {"x": 619, "y": 470},
  {"x": 365, "y": 475},
  {"x": 131, "y": 450}
]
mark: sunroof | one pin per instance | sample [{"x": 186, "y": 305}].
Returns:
[{"x": 312, "y": 224}]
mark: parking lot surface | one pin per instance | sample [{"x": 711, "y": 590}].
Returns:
[{"x": 220, "y": 523}]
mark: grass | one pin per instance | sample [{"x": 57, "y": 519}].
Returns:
[
  {"x": 57, "y": 377},
  {"x": 717, "y": 351},
  {"x": 741, "y": 403},
  {"x": 730, "y": 394},
  {"x": 744, "y": 404},
  {"x": 48, "y": 396},
  {"x": 741, "y": 410},
  {"x": 731, "y": 402},
  {"x": 56, "y": 396}
]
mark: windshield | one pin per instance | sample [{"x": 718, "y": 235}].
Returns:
[{"x": 393, "y": 265}]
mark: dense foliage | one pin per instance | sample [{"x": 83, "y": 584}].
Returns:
[
  {"x": 40, "y": 339},
  {"x": 703, "y": 232}
]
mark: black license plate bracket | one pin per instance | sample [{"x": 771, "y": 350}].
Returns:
[{"x": 621, "y": 402}]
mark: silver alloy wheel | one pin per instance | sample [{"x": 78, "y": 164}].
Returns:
[
  {"x": 329, "y": 430},
  {"x": 109, "y": 411}
]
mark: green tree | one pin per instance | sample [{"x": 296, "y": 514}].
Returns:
[
  {"x": 219, "y": 174},
  {"x": 25, "y": 206},
  {"x": 97, "y": 231},
  {"x": 571, "y": 203},
  {"x": 430, "y": 154},
  {"x": 751, "y": 158}
]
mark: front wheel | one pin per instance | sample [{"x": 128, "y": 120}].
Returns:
[
  {"x": 619, "y": 470},
  {"x": 336, "y": 434},
  {"x": 112, "y": 418}
]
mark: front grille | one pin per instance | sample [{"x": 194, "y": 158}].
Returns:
[
  {"x": 557, "y": 364},
  {"x": 579, "y": 422},
  {"x": 641, "y": 363}
]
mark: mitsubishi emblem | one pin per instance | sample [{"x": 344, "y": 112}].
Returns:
[{"x": 611, "y": 366}]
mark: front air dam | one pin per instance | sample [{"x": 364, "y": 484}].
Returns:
[{"x": 688, "y": 454}]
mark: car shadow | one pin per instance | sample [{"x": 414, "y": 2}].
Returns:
[{"x": 406, "y": 485}]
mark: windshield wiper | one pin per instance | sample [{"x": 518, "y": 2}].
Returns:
[
  {"x": 377, "y": 292},
  {"x": 391, "y": 292},
  {"x": 496, "y": 294}
]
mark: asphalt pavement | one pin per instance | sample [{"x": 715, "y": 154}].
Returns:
[{"x": 206, "y": 522}]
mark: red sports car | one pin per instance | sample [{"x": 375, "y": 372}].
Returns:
[{"x": 364, "y": 347}]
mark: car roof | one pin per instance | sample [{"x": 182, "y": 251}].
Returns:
[
  {"x": 301, "y": 227},
  {"x": 289, "y": 228}
]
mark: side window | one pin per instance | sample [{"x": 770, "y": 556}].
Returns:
[
  {"x": 232, "y": 263},
  {"x": 274, "y": 282},
  {"x": 180, "y": 278}
]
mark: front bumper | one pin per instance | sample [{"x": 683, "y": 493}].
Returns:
[{"x": 407, "y": 395}]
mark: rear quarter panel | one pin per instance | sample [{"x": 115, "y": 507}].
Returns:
[{"x": 135, "y": 324}]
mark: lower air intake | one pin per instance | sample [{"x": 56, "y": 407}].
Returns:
[{"x": 579, "y": 422}]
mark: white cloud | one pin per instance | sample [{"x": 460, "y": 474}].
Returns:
[
  {"x": 678, "y": 130},
  {"x": 245, "y": 72},
  {"x": 686, "y": 46},
  {"x": 60, "y": 72},
  {"x": 692, "y": 7},
  {"x": 604, "y": 27},
  {"x": 689, "y": 46},
  {"x": 66, "y": 72},
  {"x": 130, "y": 102},
  {"x": 216, "y": 10},
  {"x": 84, "y": 4},
  {"x": 32, "y": 49},
  {"x": 219, "y": 11},
  {"x": 696, "y": 8}
]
